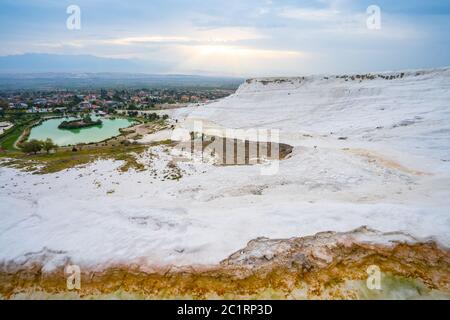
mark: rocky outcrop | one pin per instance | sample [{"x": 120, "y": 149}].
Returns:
[{"x": 326, "y": 265}]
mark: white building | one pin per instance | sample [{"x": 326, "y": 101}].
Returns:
[
  {"x": 20, "y": 105},
  {"x": 84, "y": 105},
  {"x": 5, "y": 126}
]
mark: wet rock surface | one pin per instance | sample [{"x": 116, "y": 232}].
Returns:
[{"x": 327, "y": 265}]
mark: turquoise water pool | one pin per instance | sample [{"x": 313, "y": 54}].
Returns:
[{"x": 63, "y": 137}]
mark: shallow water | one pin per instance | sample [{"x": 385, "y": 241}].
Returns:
[
  {"x": 64, "y": 137},
  {"x": 393, "y": 288}
]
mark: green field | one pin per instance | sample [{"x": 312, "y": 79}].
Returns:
[{"x": 8, "y": 138}]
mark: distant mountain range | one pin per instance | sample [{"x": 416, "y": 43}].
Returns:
[
  {"x": 49, "y": 71},
  {"x": 37, "y": 62}
]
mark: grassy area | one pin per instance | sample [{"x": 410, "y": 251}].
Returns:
[
  {"x": 8, "y": 138},
  {"x": 66, "y": 158},
  {"x": 21, "y": 121}
]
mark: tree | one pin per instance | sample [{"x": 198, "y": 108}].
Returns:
[
  {"x": 3, "y": 104},
  {"x": 87, "y": 118},
  {"x": 153, "y": 116},
  {"x": 48, "y": 145},
  {"x": 75, "y": 101},
  {"x": 132, "y": 106},
  {"x": 117, "y": 97},
  {"x": 103, "y": 94},
  {"x": 32, "y": 146}
]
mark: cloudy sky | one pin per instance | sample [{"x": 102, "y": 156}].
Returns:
[{"x": 236, "y": 37}]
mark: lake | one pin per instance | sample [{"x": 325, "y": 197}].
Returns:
[{"x": 63, "y": 137}]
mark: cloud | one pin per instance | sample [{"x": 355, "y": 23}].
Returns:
[
  {"x": 145, "y": 39},
  {"x": 309, "y": 14},
  {"x": 243, "y": 37},
  {"x": 239, "y": 60},
  {"x": 214, "y": 35},
  {"x": 224, "y": 51}
]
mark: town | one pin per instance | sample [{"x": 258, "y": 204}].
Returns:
[
  {"x": 105, "y": 101},
  {"x": 21, "y": 110}
]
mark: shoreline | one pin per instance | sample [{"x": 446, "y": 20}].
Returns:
[{"x": 27, "y": 131}]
